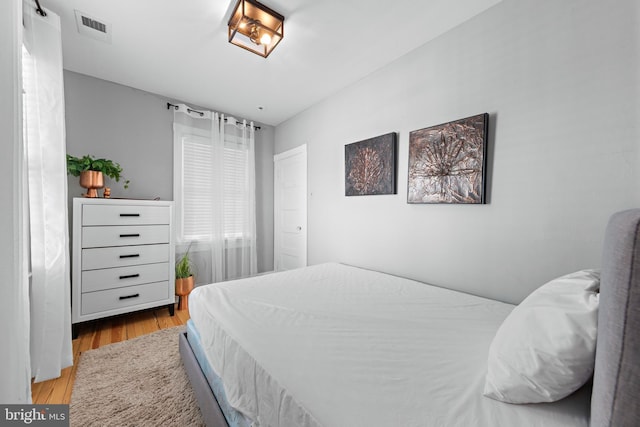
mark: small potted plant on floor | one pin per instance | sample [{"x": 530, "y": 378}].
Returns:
[
  {"x": 184, "y": 280},
  {"x": 91, "y": 172}
]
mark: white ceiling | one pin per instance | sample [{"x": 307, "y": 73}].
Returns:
[{"x": 179, "y": 49}]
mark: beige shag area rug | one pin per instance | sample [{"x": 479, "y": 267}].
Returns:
[{"x": 140, "y": 382}]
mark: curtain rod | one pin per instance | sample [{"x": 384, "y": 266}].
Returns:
[
  {"x": 190, "y": 110},
  {"x": 39, "y": 9}
]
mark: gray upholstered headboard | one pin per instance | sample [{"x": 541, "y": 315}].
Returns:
[{"x": 615, "y": 399}]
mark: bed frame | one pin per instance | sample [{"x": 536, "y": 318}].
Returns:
[
  {"x": 209, "y": 407},
  {"x": 615, "y": 400}
]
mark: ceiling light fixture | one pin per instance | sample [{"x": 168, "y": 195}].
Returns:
[{"x": 255, "y": 27}]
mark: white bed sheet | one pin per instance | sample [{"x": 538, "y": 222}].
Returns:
[{"x": 333, "y": 345}]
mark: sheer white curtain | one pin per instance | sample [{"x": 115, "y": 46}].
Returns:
[
  {"x": 15, "y": 377},
  {"x": 47, "y": 186},
  {"x": 214, "y": 190},
  {"x": 239, "y": 198}
]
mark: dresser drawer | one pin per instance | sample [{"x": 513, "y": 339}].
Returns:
[
  {"x": 125, "y": 215},
  {"x": 95, "y": 302},
  {"x": 109, "y": 278},
  {"x": 124, "y": 235},
  {"x": 121, "y": 256}
]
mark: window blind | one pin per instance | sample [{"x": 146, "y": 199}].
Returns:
[
  {"x": 235, "y": 190},
  {"x": 197, "y": 187},
  {"x": 197, "y": 199}
]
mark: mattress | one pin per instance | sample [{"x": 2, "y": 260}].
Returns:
[
  {"x": 233, "y": 417},
  {"x": 334, "y": 345}
]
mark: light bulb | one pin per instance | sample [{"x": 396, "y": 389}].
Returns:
[{"x": 265, "y": 39}]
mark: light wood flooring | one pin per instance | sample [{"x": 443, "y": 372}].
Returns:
[{"x": 101, "y": 332}]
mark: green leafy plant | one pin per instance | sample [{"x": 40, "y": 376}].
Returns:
[
  {"x": 76, "y": 165},
  {"x": 183, "y": 266}
]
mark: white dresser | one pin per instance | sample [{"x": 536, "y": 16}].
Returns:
[{"x": 123, "y": 257}]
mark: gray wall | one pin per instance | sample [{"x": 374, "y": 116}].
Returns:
[
  {"x": 265, "y": 142},
  {"x": 135, "y": 128},
  {"x": 560, "y": 82},
  {"x": 129, "y": 126}
]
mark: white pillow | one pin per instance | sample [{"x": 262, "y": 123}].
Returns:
[{"x": 545, "y": 349}]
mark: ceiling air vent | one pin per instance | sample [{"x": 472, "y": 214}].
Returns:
[
  {"x": 92, "y": 27},
  {"x": 96, "y": 25}
]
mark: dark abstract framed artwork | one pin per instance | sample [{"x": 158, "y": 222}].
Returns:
[
  {"x": 370, "y": 166},
  {"x": 447, "y": 162}
]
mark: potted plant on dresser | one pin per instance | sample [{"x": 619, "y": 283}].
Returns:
[
  {"x": 92, "y": 171},
  {"x": 184, "y": 280}
]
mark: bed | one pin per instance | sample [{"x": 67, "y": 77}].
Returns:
[{"x": 336, "y": 345}]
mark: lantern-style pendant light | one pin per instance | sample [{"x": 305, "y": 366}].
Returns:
[{"x": 255, "y": 27}]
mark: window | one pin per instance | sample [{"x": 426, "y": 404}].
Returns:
[
  {"x": 197, "y": 186},
  {"x": 194, "y": 185},
  {"x": 236, "y": 187}
]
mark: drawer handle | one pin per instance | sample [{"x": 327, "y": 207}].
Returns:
[
  {"x": 129, "y": 296},
  {"x": 129, "y": 276},
  {"x": 130, "y": 256},
  {"x": 129, "y": 214},
  {"x": 130, "y": 235}
]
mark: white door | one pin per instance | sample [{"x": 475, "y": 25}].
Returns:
[{"x": 290, "y": 209}]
